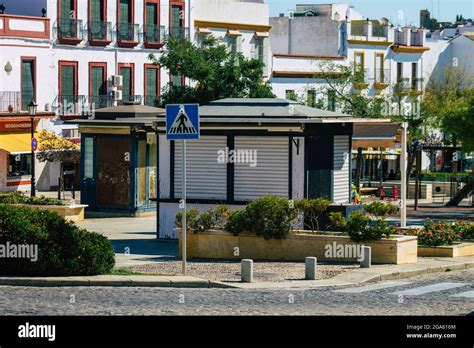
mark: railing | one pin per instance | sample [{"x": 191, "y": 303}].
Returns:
[
  {"x": 417, "y": 84},
  {"x": 131, "y": 99},
  {"x": 402, "y": 86},
  {"x": 399, "y": 38},
  {"x": 361, "y": 75},
  {"x": 151, "y": 100},
  {"x": 10, "y": 101},
  {"x": 179, "y": 32},
  {"x": 69, "y": 28},
  {"x": 70, "y": 104},
  {"x": 378, "y": 31},
  {"x": 154, "y": 34},
  {"x": 382, "y": 76},
  {"x": 357, "y": 28},
  {"x": 100, "y": 101},
  {"x": 24, "y": 26},
  {"x": 128, "y": 32},
  {"x": 100, "y": 31}
]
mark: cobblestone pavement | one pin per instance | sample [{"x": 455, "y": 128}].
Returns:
[
  {"x": 449, "y": 293},
  {"x": 229, "y": 271}
]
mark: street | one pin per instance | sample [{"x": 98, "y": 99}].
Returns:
[{"x": 449, "y": 293}]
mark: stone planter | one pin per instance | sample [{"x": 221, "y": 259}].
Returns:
[
  {"x": 457, "y": 250},
  {"x": 217, "y": 244},
  {"x": 74, "y": 213}
]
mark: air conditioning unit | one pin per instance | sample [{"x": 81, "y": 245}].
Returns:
[
  {"x": 118, "y": 95},
  {"x": 117, "y": 80}
]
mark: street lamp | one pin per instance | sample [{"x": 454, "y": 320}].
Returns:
[{"x": 32, "y": 108}]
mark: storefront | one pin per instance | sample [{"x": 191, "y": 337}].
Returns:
[
  {"x": 118, "y": 160},
  {"x": 15, "y": 151}
]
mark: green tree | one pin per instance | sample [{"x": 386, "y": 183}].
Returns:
[{"x": 217, "y": 72}]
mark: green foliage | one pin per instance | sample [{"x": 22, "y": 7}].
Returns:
[
  {"x": 338, "y": 220},
  {"x": 379, "y": 209},
  {"x": 63, "y": 248},
  {"x": 192, "y": 216},
  {"x": 19, "y": 198},
  {"x": 269, "y": 217},
  {"x": 465, "y": 229},
  {"x": 362, "y": 229},
  {"x": 218, "y": 72},
  {"x": 437, "y": 233},
  {"x": 222, "y": 213},
  {"x": 311, "y": 209}
]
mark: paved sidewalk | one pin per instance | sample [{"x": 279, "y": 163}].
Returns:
[{"x": 356, "y": 277}]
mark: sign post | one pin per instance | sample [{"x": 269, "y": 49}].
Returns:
[{"x": 182, "y": 123}]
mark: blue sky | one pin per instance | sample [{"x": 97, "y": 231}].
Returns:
[
  {"x": 24, "y": 7},
  {"x": 443, "y": 10}
]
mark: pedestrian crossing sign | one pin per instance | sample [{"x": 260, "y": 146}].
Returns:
[{"x": 182, "y": 121}]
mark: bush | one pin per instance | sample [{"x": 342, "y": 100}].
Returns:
[
  {"x": 268, "y": 216},
  {"x": 437, "y": 233},
  {"x": 361, "y": 228},
  {"x": 192, "y": 216},
  {"x": 379, "y": 209},
  {"x": 19, "y": 198},
  {"x": 311, "y": 209},
  {"x": 63, "y": 248},
  {"x": 465, "y": 229},
  {"x": 338, "y": 220}
]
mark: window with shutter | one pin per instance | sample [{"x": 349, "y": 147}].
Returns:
[
  {"x": 126, "y": 73},
  {"x": 98, "y": 86},
  {"x": 270, "y": 175},
  {"x": 126, "y": 28},
  {"x": 206, "y": 178},
  {"x": 67, "y": 19},
  {"x": 97, "y": 17},
  {"x": 151, "y": 86},
  {"x": 152, "y": 29},
  {"x": 27, "y": 83}
]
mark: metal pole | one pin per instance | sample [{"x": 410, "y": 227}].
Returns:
[
  {"x": 184, "y": 228},
  {"x": 33, "y": 179},
  {"x": 403, "y": 169}
]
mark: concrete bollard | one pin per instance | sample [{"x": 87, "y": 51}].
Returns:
[
  {"x": 366, "y": 257},
  {"x": 247, "y": 271},
  {"x": 311, "y": 268}
]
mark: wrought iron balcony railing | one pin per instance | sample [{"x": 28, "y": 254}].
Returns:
[
  {"x": 10, "y": 101},
  {"x": 100, "y": 101},
  {"x": 361, "y": 76},
  {"x": 131, "y": 99},
  {"x": 100, "y": 31},
  {"x": 382, "y": 77},
  {"x": 151, "y": 100},
  {"x": 154, "y": 34},
  {"x": 67, "y": 105},
  {"x": 128, "y": 32},
  {"x": 179, "y": 32},
  {"x": 69, "y": 28}
]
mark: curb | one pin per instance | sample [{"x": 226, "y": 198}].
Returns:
[{"x": 146, "y": 281}]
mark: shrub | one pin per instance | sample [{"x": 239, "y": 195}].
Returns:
[
  {"x": 222, "y": 214},
  {"x": 19, "y": 198},
  {"x": 338, "y": 220},
  {"x": 437, "y": 233},
  {"x": 379, "y": 209},
  {"x": 63, "y": 248},
  {"x": 311, "y": 209},
  {"x": 465, "y": 229},
  {"x": 192, "y": 216},
  {"x": 361, "y": 228},
  {"x": 268, "y": 216}
]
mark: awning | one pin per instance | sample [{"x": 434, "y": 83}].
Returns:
[
  {"x": 261, "y": 34},
  {"x": 233, "y": 33},
  {"x": 374, "y": 135},
  {"x": 203, "y": 31},
  {"x": 16, "y": 143}
]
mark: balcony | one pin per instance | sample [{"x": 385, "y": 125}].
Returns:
[
  {"x": 95, "y": 102},
  {"x": 416, "y": 86},
  {"x": 24, "y": 26},
  {"x": 70, "y": 106},
  {"x": 402, "y": 87},
  {"x": 358, "y": 28},
  {"x": 127, "y": 34},
  {"x": 100, "y": 33},
  {"x": 381, "y": 79},
  {"x": 10, "y": 102},
  {"x": 69, "y": 31},
  {"x": 179, "y": 32},
  {"x": 154, "y": 36},
  {"x": 361, "y": 78},
  {"x": 378, "y": 31}
]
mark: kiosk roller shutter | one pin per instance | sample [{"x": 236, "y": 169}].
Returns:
[
  {"x": 205, "y": 177},
  {"x": 270, "y": 176},
  {"x": 341, "y": 168}
]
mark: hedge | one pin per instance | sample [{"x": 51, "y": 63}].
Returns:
[{"x": 63, "y": 248}]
